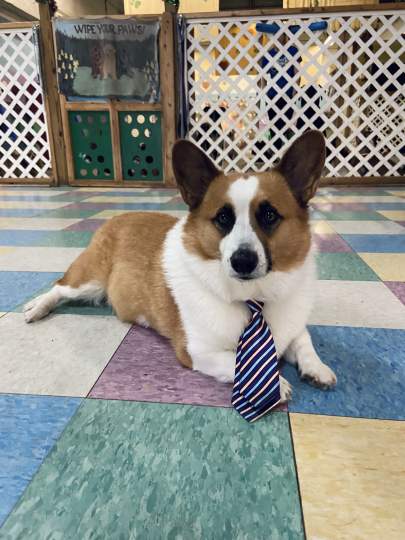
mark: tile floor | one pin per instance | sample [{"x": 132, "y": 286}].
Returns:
[{"x": 104, "y": 435}]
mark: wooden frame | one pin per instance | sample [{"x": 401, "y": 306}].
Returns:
[
  {"x": 113, "y": 106},
  {"x": 268, "y": 12},
  {"x": 42, "y": 181}
]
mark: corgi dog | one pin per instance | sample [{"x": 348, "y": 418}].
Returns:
[{"x": 246, "y": 236}]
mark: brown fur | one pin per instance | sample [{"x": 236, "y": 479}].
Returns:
[
  {"x": 125, "y": 257},
  {"x": 288, "y": 245}
]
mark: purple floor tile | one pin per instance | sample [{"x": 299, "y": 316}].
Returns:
[
  {"x": 330, "y": 243},
  {"x": 398, "y": 288},
  {"x": 86, "y": 225},
  {"x": 144, "y": 368}
]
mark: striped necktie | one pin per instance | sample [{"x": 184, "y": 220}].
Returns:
[{"x": 256, "y": 389}]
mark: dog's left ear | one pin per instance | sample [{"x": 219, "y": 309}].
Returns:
[
  {"x": 194, "y": 171},
  {"x": 302, "y": 165}
]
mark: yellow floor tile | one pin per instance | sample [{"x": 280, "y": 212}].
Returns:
[
  {"x": 387, "y": 266},
  {"x": 352, "y": 477},
  {"x": 395, "y": 215},
  {"x": 322, "y": 227},
  {"x": 398, "y": 193},
  {"x": 5, "y": 249}
]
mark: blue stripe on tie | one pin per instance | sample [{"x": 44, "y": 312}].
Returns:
[
  {"x": 268, "y": 371},
  {"x": 256, "y": 362},
  {"x": 274, "y": 387},
  {"x": 249, "y": 330},
  {"x": 262, "y": 336}
]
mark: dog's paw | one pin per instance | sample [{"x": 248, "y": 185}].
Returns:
[
  {"x": 285, "y": 390},
  {"x": 35, "y": 309},
  {"x": 319, "y": 375}
]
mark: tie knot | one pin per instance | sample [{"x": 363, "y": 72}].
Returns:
[{"x": 255, "y": 306}]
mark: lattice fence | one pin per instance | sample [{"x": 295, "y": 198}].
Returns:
[
  {"x": 250, "y": 92},
  {"x": 24, "y": 146}
]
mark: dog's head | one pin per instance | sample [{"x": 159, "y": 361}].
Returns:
[{"x": 253, "y": 223}]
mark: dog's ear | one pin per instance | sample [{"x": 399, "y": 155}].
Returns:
[
  {"x": 194, "y": 172},
  {"x": 302, "y": 165}
]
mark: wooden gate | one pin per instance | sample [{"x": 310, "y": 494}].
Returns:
[
  {"x": 25, "y": 155},
  {"x": 254, "y": 82}
]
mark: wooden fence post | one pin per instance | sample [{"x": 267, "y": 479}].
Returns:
[
  {"x": 51, "y": 95},
  {"x": 168, "y": 88}
]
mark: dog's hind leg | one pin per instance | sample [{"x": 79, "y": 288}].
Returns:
[
  {"x": 84, "y": 280},
  {"x": 39, "y": 307}
]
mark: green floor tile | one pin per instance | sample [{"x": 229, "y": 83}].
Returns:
[
  {"x": 344, "y": 266},
  {"x": 125, "y": 470},
  {"x": 353, "y": 216},
  {"x": 80, "y": 308}
]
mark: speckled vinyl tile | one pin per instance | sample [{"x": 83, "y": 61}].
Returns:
[
  {"x": 142, "y": 470},
  {"x": 343, "y": 266},
  {"x": 352, "y": 477},
  {"x": 45, "y": 238},
  {"x": 29, "y": 427},
  {"x": 62, "y": 355},
  {"x": 38, "y": 259},
  {"x": 19, "y": 287},
  {"x": 370, "y": 368},
  {"x": 36, "y": 223},
  {"x": 368, "y": 304},
  {"x": 388, "y": 266}
]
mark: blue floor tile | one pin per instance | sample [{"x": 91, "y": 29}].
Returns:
[
  {"x": 18, "y": 287},
  {"x": 20, "y": 212},
  {"x": 10, "y": 237},
  {"x": 373, "y": 243},
  {"x": 29, "y": 427},
  {"x": 370, "y": 367}
]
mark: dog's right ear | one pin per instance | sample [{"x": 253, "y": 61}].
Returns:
[{"x": 194, "y": 172}]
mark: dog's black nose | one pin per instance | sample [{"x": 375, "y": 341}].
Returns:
[{"x": 244, "y": 261}]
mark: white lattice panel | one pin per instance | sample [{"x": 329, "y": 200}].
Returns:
[
  {"x": 24, "y": 146},
  {"x": 249, "y": 93}
]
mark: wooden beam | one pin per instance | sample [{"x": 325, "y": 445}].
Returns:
[
  {"x": 27, "y": 181},
  {"x": 168, "y": 91},
  {"x": 116, "y": 143},
  {"x": 382, "y": 181},
  {"x": 17, "y": 25},
  {"x": 294, "y": 11},
  {"x": 51, "y": 97}
]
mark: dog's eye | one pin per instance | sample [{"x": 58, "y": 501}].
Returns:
[
  {"x": 267, "y": 216},
  {"x": 225, "y": 218}
]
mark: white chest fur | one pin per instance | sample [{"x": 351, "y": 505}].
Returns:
[{"x": 212, "y": 305}]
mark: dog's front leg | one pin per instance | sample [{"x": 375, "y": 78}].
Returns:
[{"x": 301, "y": 353}]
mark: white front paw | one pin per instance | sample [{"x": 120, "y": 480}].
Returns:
[
  {"x": 318, "y": 374},
  {"x": 285, "y": 390}
]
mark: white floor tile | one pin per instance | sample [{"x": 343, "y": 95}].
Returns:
[
  {"x": 38, "y": 259},
  {"x": 366, "y": 227},
  {"x": 357, "y": 304},
  {"x": 62, "y": 355},
  {"x": 37, "y": 224}
]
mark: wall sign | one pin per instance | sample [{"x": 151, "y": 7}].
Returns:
[{"x": 108, "y": 58}]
